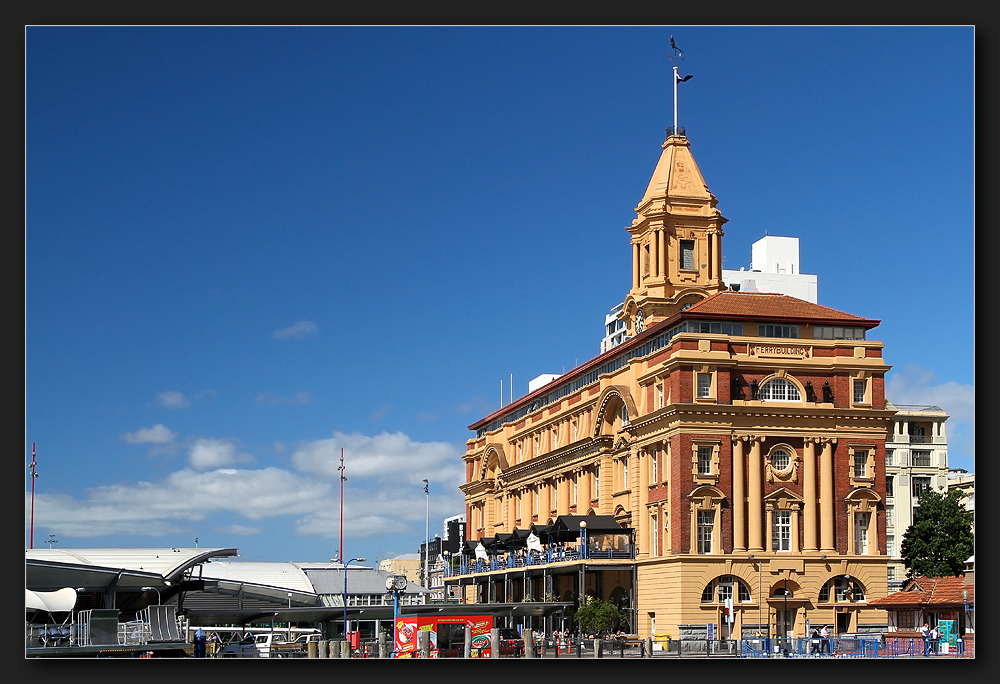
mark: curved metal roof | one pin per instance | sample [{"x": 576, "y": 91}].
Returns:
[
  {"x": 283, "y": 575},
  {"x": 52, "y": 569}
]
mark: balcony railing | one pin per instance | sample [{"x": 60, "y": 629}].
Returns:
[{"x": 506, "y": 561}]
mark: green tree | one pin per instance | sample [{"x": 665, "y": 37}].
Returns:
[
  {"x": 599, "y": 617},
  {"x": 940, "y": 539}
]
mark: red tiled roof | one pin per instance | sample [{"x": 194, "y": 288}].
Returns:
[
  {"x": 930, "y": 591},
  {"x": 761, "y": 305},
  {"x": 770, "y": 305}
]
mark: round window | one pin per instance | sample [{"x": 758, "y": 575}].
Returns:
[{"x": 780, "y": 459}]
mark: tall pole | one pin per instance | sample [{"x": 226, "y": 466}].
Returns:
[
  {"x": 361, "y": 560},
  {"x": 31, "y": 530},
  {"x": 342, "y": 478},
  {"x": 427, "y": 518}
]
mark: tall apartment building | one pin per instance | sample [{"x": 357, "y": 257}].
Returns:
[
  {"x": 916, "y": 460},
  {"x": 728, "y": 455}
]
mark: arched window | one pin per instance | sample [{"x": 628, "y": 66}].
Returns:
[
  {"x": 842, "y": 589},
  {"x": 724, "y": 587},
  {"x": 779, "y": 389}
]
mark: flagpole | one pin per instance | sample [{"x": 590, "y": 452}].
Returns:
[
  {"x": 31, "y": 530},
  {"x": 340, "y": 554},
  {"x": 676, "y": 77}
]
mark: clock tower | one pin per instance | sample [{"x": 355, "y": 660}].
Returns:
[{"x": 676, "y": 241}]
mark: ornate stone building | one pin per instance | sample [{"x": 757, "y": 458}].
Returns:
[{"x": 737, "y": 439}]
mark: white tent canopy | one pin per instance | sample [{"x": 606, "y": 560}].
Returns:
[{"x": 61, "y": 601}]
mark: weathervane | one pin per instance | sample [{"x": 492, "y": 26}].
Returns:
[{"x": 677, "y": 55}]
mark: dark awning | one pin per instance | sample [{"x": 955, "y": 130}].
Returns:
[{"x": 567, "y": 527}]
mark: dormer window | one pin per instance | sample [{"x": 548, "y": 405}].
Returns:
[{"x": 774, "y": 330}]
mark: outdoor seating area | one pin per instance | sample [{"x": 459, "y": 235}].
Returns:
[
  {"x": 101, "y": 628},
  {"x": 568, "y": 538}
]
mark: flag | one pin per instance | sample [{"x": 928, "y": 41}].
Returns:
[{"x": 681, "y": 79}]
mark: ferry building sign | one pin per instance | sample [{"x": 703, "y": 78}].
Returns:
[{"x": 779, "y": 351}]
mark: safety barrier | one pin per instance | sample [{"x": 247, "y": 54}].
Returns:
[{"x": 845, "y": 647}]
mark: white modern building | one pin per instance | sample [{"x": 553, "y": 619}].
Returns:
[
  {"x": 615, "y": 330},
  {"x": 916, "y": 460},
  {"x": 959, "y": 478},
  {"x": 774, "y": 267}
]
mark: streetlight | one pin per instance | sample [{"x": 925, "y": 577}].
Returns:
[
  {"x": 361, "y": 560},
  {"x": 427, "y": 518},
  {"x": 583, "y": 539},
  {"x": 158, "y": 601}
]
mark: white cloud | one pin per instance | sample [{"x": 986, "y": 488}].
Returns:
[
  {"x": 387, "y": 457},
  {"x": 296, "y": 330},
  {"x": 158, "y": 434},
  {"x": 383, "y": 493},
  {"x": 184, "y": 497},
  {"x": 214, "y": 453},
  {"x": 919, "y": 385},
  {"x": 172, "y": 399},
  {"x": 384, "y": 487}
]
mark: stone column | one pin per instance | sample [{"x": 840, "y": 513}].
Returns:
[
  {"x": 636, "y": 265},
  {"x": 796, "y": 516},
  {"x": 662, "y": 240},
  {"x": 768, "y": 526},
  {"x": 739, "y": 498},
  {"x": 562, "y": 506},
  {"x": 755, "y": 498},
  {"x": 583, "y": 491},
  {"x": 511, "y": 498},
  {"x": 809, "y": 495},
  {"x": 826, "y": 496},
  {"x": 642, "y": 465},
  {"x": 654, "y": 254}
]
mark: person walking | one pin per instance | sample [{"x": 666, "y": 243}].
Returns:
[{"x": 824, "y": 634}]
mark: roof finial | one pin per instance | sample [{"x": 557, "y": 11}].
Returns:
[{"x": 678, "y": 54}]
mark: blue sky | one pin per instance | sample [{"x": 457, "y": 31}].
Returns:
[{"x": 249, "y": 248}]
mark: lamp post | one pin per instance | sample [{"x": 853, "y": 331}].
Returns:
[
  {"x": 360, "y": 560},
  {"x": 427, "y": 518},
  {"x": 583, "y": 539},
  {"x": 158, "y": 602}
]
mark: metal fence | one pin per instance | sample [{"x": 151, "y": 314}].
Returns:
[{"x": 847, "y": 647}]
